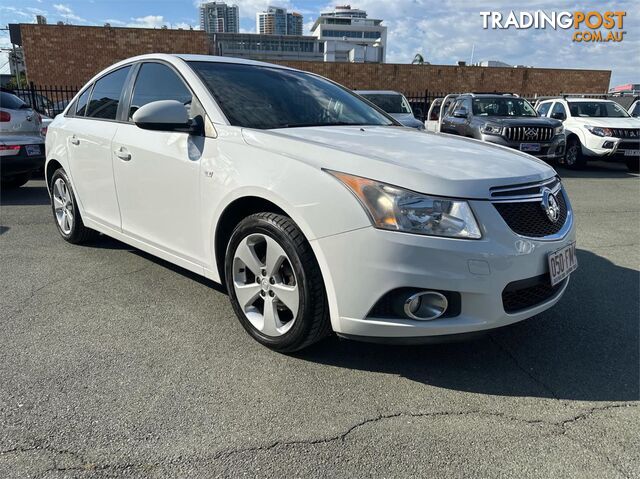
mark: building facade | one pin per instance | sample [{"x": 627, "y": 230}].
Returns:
[
  {"x": 277, "y": 21},
  {"x": 350, "y": 36},
  {"x": 267, "y": 47},
  {"x": 219, "y": 17}
]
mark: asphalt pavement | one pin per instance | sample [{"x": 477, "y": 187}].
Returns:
[{"x": 116, "y": 364}]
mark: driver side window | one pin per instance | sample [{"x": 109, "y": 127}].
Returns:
[{"x": 156, "y": 81}]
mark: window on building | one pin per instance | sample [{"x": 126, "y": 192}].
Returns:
[{"x": 106, "y": 95}]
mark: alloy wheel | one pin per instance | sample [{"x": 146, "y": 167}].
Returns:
[
  {"x": 265, "y": 284},
  {"x": 63, "y": 206},
  {"x": 572, "y": 155}
]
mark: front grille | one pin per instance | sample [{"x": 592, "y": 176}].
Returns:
[
  {"x": 527, "y": 293},
  {"x": 524, "y": 189},
  {"x": 528, "y": 218},
  {"x": 528, "y": 133},
  {"x": 626, "y": 132}
]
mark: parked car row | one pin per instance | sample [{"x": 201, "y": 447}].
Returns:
[
  {"x": 21, "y": 141},
  {"x": 567, "y": 129}
]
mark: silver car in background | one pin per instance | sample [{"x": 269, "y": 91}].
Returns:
[
  {"x": 21, "y": 141},
  {"x": 393, "y": 103}
]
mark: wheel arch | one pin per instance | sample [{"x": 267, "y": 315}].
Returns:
[
  {"x": 52, "y": 166},
  {"x": 233, "y": 213}
]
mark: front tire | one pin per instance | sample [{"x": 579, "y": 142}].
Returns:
[
  {"x": 65, "y": 210},
  {"x": 574, "y": 158},
  {"x": 274, "y": 283},
  {"x": 633, "y": 165}
]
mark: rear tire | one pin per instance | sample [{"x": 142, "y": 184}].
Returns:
[
  {"x": 633, "y": 165},
  {"x": 574, "y": 158},
  {"x": 16, "y": 181},
  {"x": 274, "y": 283},
  {"x": 65, "y": 210}
]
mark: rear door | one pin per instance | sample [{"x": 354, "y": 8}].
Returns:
[
  {"x": 157, "y": 173},
  {"x": 89, "y": 134}
]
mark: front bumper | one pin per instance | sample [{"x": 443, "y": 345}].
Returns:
[
  {"x": 367, "y": 263},
  {"x": 551, "y": 150},
  {"x": 11, "y": 165},
  {"x": 611, "y": 149}
]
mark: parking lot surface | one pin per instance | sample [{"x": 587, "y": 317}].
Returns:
[{"x": 117, "y": 364}]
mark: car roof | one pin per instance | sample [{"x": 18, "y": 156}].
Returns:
[
  {"x": 576, "y": 99},
  {"x": 377, "y": 92}
]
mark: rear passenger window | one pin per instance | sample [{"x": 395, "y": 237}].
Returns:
[
  {"x": 81, "y": 104},
  {"x": 543, "y": 109},
  {"x": 155, "y": 82},
  {"x": 106, "y": 95}
]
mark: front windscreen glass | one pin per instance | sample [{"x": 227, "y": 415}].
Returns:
[
  {"x": 502, "y": 107},
  {"x": 389, "y": 102},
  {"x": 597, "y": 109},
  {"x": 254, "y": 96}
]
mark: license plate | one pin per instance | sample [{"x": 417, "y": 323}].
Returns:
[
  {"x": 562, "y": 263},
  {"x": 32, "y": 150},
  {"x": 631, "y": 152},
  {"x": 529, "y": 146}
]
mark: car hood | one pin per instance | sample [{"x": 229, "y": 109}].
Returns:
[
  {"x": 407, "y": 119},
  {"x": 608, "y": 122},
  {"x": 520, "y": 121},
  {"x": 425, "y": 162}
]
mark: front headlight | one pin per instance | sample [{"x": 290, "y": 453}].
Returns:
[
  {"x": 559, "y": 130},
  {"x": 599, "y": 131},
  {"x": 491, "y": 129},
  {"x": 397, "y": 209}
]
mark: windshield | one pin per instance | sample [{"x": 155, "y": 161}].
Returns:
[
  {"x": 597, "y": 109},
  {"x": 262, "y": 97},
  {"x": 389, "y": 102},
  {"x": 502, "y": 107}
]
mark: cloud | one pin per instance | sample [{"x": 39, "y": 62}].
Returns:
[
  {"x": 66, "y": 12},
  {"x": 149, "y": 21},
  {"x": 448, "y": 30}
]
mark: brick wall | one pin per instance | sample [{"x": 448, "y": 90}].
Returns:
[
  {"x": 415, "y": 79},
  {"x": 70, "y": 55}
]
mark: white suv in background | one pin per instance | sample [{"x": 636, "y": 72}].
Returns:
[
  {"x": 596, "y": 129},
  {"x": 317, "y": 210}
]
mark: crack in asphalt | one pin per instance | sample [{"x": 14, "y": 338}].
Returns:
[
  {"x": 505, "y": 349},
  {"x": 341, "y": 437}
]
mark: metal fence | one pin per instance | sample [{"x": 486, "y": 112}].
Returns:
[
  {"x": 48, "y": 100},
  {"x": 52, "y": 100}
]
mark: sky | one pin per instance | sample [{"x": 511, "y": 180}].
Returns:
[{"x": 443, "y": 31}]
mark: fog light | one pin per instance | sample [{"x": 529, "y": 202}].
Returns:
[
  {"x": 425, "y": 306},
  {"x": 607, "y": 144}
]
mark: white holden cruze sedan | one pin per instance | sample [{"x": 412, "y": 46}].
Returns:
[{"x": 318, "y": 211}]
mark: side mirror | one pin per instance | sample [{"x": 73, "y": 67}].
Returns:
[
  {"x": 166, "y": 115},
  {"x": 558, "y": 115},
  {"x": 461, "y": 113},
  {"x": 417, "y": 112}
]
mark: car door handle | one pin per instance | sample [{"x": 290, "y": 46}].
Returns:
[
  {"x": 74, "y": 140},
  {"x": 123, "y": 154}
]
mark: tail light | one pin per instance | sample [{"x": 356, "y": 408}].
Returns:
[
  {"x": 5, "y": 116},
  {"x": 8, "y": 150}
]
